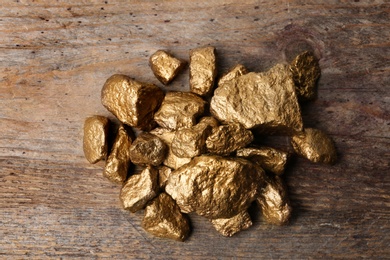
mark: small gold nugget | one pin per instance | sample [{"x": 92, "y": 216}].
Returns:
[
  {"x": 118, "y": 161},
  {"x": 202, "y": 70},
  {"x": 233, "y": 73},
  {"x": 148, "y": 149},
  {"x": 306, "y": 71},
  {"x": 266, "y": 101},
  {"x": 164, "y": 66},
  {"x": 163, "y": 175},
  {"x": 270, "y": 159},
  {"x": 230, "y": 226},
  {"x": 171, "y": 160},
  {"x": 315, "y": 145},
  {"x": 228, "y": 138},
  {"x": 164, "y": 219},
  {"x": 215, "y": 186},
  {"x": 139, "y": 189},
  {"x": 132, "y": 102},
  {"x": 274, "y": 202},
  {"x": 95, "y": 138},
  {"x": 179, "y": 110}
]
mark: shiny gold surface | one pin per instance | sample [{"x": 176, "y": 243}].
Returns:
[
  {"x": 306, "y": 71},
  {"x": 148, "y": 149},
  {"x": 164, "y": 219},
  {"x": 179, "y": 110},
  {"x": 171, "y": 160},
  {"x": 163, "y": 175},
  {"x": 215, "y": 186},
  {"x": 211, "y": 121},
  {"x": 266, "y": 101},
  {"x": 118, "y": 161},
  {"x": 233, "y": 73},
  {"x": 132, "y": 102},
  {"x": 315, "y": 145},
  {"x": 228, "y": 138},
  {"x": 230, "y": 226},
  {"x": 202, "y": 70},
  {"x": 139, "y": 189},
  {"x": 274, "y": 202},
  {"x": 95, "y": 138},
  {"x": 270, "y": 159},
  {"x": 164, "y": 66}
]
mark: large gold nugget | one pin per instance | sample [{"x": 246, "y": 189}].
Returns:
[
  {"x": 215, "y": 186},
  {"x": 228, "y": 138},
  {"x": 266, "y": 101},
  {"x": 164, "y": 219},
  {"x": 171, "y": 160},
  {"x": 235, "y": 72},
  {"x": 95, "y": 138},
  {"x": 164, "y": 66},
  {"x": 139, "y": 189},
  {"x": 315, "y": 145},
  {"x": 148, "y": 149},
  {"x": 202, "y": 70},
  {"x": 274, "y": 202},
  {"x": 270, "y": 159},
  {"x": 179, "y": 110},
  {"x": 118, "y": 161},
  {"x": 191, "y": 142},
  {"x": 306, "y": 71},
  {"x": 132, "y": 102},
  {"x": 230, "y": 226}
]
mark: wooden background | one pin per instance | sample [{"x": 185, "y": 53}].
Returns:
[{"x": 55, "y": 57}]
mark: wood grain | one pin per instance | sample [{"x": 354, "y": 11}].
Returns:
[{"x": 55, "y": 57}]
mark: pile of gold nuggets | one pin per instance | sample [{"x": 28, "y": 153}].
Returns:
[{"x": 195, "y": 147}]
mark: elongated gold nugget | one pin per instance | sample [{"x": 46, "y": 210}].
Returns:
[
  {"x": 202, "y": 70},
  {"x": 164, "y": 66},
  {"x": 95, "y": 138}
]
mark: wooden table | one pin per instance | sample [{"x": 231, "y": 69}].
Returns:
[{"x": 56, "y": 55}]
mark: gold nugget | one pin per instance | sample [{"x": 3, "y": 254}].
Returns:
[
  {"x": 274, "y": 202},
  {"x": 164, "y": 219},
  {"x": 148, "y": 149},
  {"x": 118, "y": 161},
  {"x": 215, "y": 186},
  {"x": 233, "y": 73},
  {"x": 315, "y": 145},
  {"x": 306, "y": 71},
  {"x": 179, "y": 110},
  {"x": 202, "y": 70},
  {"x": 163, "y": 175},
  {"x": 132, "y": 102},
  {"x": 95, "y": 138},
  {"x": 164, "y": 66},
  {"x": 230, "y": 226},
  {"x": 270, "y": 159},
  {"x": 139, "y": 189},
  {"x": 266, "y": 101},
  {"x": 228, "y": 138}
]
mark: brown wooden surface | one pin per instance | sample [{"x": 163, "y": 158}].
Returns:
[{"x": 55, "y": 57}]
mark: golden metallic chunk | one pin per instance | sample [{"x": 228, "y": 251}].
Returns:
[
  {"x": 215, "y": 186},
  {"x": 164, "y": 66},
  {"x": 315, "y": 145},
  {"x": 306, "y": 71},
  {"x": 230, "y": 226},
  {"x": 191, "y": 142},
  {"x": 148, "y": 149},
  {"x": 274, "y": 202},
  {"x": 132, "y": 102},
  {"x": 95, "y": 138},
  {"x": 179, "y": 110},
  {"x": 139, "y": 189},
  {"x": 270, "y": 159},
  {"x": 118, "y": 161},
  {"x": 202, "y": 70},
  {"x": 228, "y": 138},
  {"x": 163, "y": 175},
  {"x": 171, "y": 160},
  {"x": 211, "y": 121},
  {"x": 235, "y": 72},
  {"x": 164, "y": 219},
  {"x": 266, "y": 101}
]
